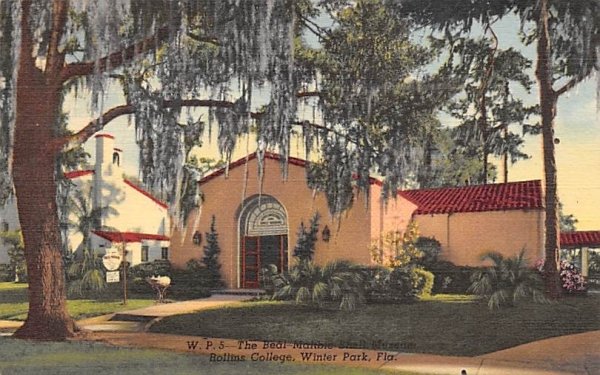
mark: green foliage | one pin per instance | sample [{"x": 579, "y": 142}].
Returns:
[
  {"x": 424, "y": 281},
  {"x": 430, "y": 248},
  {"x": 487, "y": 106},
  {"x": 507, "y": 281},
  {"x": 448, "y": 164},
  {"x": 6, "y": 273},
  {"x": 306, "y": 283},
  {"x": 17, "y": 269},
  {"x": 376, "y": 101},
  {"x": 450, "y": 278},
  {"x": 86, "y": 275},
  {"x": 211, "y": 256},
  {"x": 84, "y": 217},
  {"x": 158, "y": 267},
  {"x": 195, "y": 281},
  {"x": 307, "y": 238},
  {"x": 567, "y": 222},
  {"x": 398, "y": 285},
  {"x": 397, "y": 249}
]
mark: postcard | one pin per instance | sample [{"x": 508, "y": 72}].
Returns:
[{"x": 299, "y": 187}]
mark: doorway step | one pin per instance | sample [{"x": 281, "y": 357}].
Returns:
[{"x": 239, "y": 292}]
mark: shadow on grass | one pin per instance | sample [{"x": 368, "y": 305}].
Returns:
[
  {"x": 447, "y": 326},
  {"x": 23, "y": 357}
]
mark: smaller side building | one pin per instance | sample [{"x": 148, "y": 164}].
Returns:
[
  {"x": 130, "y": 216},
  {"x": 473, "y": 220}
]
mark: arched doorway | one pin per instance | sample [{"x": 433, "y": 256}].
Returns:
[{"x": 263, "y": 230}]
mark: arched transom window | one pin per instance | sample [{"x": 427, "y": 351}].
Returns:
[{"x": 266, "y": 218}]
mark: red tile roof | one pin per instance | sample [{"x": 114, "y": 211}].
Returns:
[
  {"x": 147, "y": 194},
  {"x": 75, "y": 174},
  {"x": 129, "y": 236},
  {"x": 491, "y": 197},
  {"x": 580, "y": 239}
]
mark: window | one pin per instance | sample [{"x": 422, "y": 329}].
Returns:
[
  {"x": 164, "y": 253},
  {"x": 5, "y": 226},
  {"x": 116, "y": 159},
  {"x": 144, "y": 253}
]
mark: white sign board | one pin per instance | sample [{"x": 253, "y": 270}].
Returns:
[
  {"x": 112, "y": 259},
  {"x": 112, "y": 277}
]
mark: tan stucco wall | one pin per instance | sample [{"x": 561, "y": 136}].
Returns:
[
  {"x": 223, "y": 196},
  {"x": 466, "y": 236},
  {"x": 393, "y": 215}
]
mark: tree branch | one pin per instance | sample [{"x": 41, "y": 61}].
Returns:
[
  {"x": 306, "y": 94},
  {"x": 204, "y": 39},
  {"x": 568, "y": 86},
  {"x": 96, "y": 125},
  {"x": 55, "y": 59},
  {"x": 77, "y": 139},
  {"x": 115, "y": 59}
]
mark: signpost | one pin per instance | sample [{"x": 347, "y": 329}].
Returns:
[
  {"x": 112, "y": 259},
  {"x": 112, "y": 277}
]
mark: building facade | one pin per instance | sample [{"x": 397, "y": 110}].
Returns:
[
  {"x": 130, "y": 215},
  {"x": 258, "y": 220}
]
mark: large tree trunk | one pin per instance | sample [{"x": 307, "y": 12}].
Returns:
[
  {"x": 548, "y": 99},
  {"x": 34, "y": 157}
]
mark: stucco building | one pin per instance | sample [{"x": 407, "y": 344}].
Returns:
[
  {"x": 132, "y": 215},
  {"x": 257, "y": 221}
]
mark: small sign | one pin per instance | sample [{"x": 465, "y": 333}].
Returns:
[
  {"x": 112, "y": 259},
  {"x": 112, "y": 277}
]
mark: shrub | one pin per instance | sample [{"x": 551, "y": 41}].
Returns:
[
  {"x": 307, "y": 237},
  {"x": 6, "y": 273},
  {"x": 425, "y": 281},
  {"x": 450, "y": 278},
  {"x": 195, "y": 281},
  {"x": 16, "y": 253},
  {"x": 211, "y": 256},
  {"x": 572, "y": 280},
  {"x": 397, "y": 249},
  {"x": 430, "y": 248},
  {"x": 400, "y": 284},
  {"x": 86, "y": 275},
  {"x": 507, "y": 281},
  {"x": 159, "y": 267},
  {"x": 307, "y": 283}
]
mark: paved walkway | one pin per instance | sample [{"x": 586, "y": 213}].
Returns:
[{"x": 139, "y": 320}]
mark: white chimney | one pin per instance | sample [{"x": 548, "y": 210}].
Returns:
[{"x": 107, "y": 170}]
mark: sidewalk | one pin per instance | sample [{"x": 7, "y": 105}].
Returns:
[{"x": 139, "y": 319}]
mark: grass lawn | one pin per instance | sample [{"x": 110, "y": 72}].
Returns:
[
  {"x": 451, "y": 325},
  {"x": 24, "y": 357},
  {"x": 13, "y": 304}
]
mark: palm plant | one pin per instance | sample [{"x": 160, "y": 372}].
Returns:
[
  {"x": 86, "y": 274},
  {"x": 308, "y": 283},
  {"x": 86, "y": 271},
  {"x": 84, "y": 217},
  {"x": 507, "y": 281}
]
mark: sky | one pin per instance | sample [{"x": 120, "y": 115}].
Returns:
[{"x": 577, "y": 127}]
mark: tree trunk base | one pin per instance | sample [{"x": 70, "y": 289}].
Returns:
[
  {"x": 553, "y": 287},
  {"x": 48, "y": 330}
]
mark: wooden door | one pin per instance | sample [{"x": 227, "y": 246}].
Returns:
[{"x": 259, "y": 252}]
